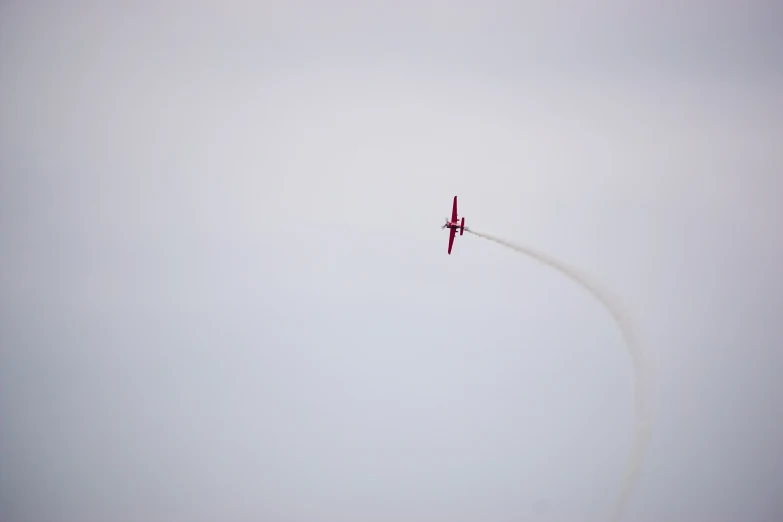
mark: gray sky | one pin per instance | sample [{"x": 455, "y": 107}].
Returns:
[{"x": 225, "y": 293}]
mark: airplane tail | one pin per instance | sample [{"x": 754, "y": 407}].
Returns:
[{"x": 462, "y": 226}]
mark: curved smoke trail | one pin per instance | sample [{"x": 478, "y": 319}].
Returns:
[{"x": 643, "y": 376}]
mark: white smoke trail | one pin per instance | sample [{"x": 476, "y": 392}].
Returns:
[{"x": 642, "y": 372}]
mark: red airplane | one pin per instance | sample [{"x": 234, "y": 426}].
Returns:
[{"x": 454, "y": 224}]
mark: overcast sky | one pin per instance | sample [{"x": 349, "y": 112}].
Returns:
[{"x": 225, "y": 293}]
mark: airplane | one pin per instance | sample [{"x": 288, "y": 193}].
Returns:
[{"x": 454, "y": 224}]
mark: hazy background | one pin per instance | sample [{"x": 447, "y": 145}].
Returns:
[{"x": 224, "y": 293}]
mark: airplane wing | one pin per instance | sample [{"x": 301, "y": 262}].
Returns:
[
  {"x": 454, "y": 210},
  {"x": 452, "y": 232}
]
